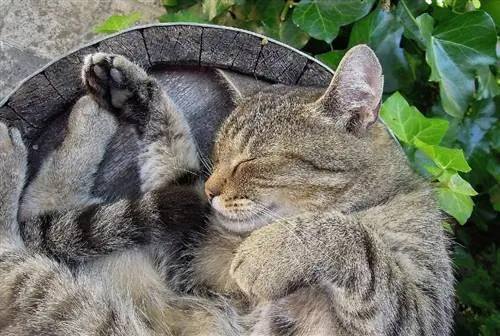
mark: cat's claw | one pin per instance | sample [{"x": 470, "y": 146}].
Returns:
[{"x": 114, "y": 81}]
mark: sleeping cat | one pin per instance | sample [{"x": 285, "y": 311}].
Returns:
[{"x": 317, "y": 224}]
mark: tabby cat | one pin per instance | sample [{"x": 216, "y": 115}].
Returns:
[{"x": 316, "y": 226}]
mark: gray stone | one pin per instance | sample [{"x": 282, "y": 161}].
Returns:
[
  {"x": 33, "y": 32},
  {"x": 16, "y": 64}
]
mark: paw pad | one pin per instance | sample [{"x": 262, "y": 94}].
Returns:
[{"x": 112, "y": 79}]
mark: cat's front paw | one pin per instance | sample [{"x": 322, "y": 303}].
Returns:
[
  {"x": 117, "y": 84},
  {"x": 267, "y": 265}
]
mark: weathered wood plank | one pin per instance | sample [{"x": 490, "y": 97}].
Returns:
[
  {"x": 173, "y": 45},
  {"x": 8, "y": 116},
  {"x": 230, "y": 49},
  {"x": 65, "y": 74},
  {"x": 130, "y": 44},
  {"x": 36, "y": 101},
  {"x": 315, "y": 75},
  {"x": 280, "y": 64}
]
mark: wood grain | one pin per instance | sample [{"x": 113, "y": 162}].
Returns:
[
  {"x": 129, "y": 44},
  {"x": 230, "y": 49},
  {"x": 65, "y": 74},
  {"x": 279, "y": 64},
  {"x": 173, "y": 45},
  {"x": 36, "y": 101},
  {"x": 315, "y": 75}
]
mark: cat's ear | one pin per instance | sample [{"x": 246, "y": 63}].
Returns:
[
  {"x": 354, "y": 95},
  {"x": 240, "y": 85}
]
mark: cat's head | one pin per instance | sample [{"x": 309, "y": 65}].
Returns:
[{"x": 287, "y": 150}]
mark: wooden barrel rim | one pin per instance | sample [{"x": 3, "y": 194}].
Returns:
[{"x": 37, "y": 105}]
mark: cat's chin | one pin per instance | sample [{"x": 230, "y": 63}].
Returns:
[{"x": 240, "y": 226}]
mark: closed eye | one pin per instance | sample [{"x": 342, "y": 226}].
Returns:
[
  {"x": 238, "y": 165},
  {"x": 310, "y": 163}
]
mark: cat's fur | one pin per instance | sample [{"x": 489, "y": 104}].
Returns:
[{"x": 319, "y": 227}]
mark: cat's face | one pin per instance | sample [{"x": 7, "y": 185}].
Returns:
[{"x": 281, "y": 153}]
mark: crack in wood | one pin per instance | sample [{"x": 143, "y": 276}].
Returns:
[
  {"x": 21, "y": 117},
  {"x": 201, "y": 46},
  {"x": 302, "y": 72},
  {"x": 55, "y": 89},
  {"x": 141, "y": 31},
  {"x": 257, "y": 61}
]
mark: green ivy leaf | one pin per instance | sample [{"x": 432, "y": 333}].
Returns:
[
  {"x": 494, "y": 137},
  {"x": 332, "y": 58},
  {"x": 116, "y": 23},
  {"x": 382, "y": 32},
  {"x": 457, "y": 205},
  {"x": 480, "y": 175},
  {"x": 474, "y": 289},
  {"x": 472, "y": 131},
  {"x": 434, "y": 170},
  {"x": 454, "y": 49},
  {"x": 169, "y": 3},
  {"x": 406, "y": 17},
  {"x": 175, "y": 6},
  {"x": 272, "y": 25},
  {"x": 493, "y": 167},
  {"x": 192, "y": 14},
  {"x": 214, "y": 8},
  {"x": 463, "y": 259},
  {"x": 322, "y": 19},
  {"x": 492, "y": 8},
  {"x": 457, "y": 184},
  {"x": 444, "y": 158},
  {"x": 408, "y": 124},
  {"x": 495, "y": 198},
  {"x": 487, "y": 84}
]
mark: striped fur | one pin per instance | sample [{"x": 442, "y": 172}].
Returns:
[
  {"x": 318, "y": 226},
  {"x": 92, "y": 267}
]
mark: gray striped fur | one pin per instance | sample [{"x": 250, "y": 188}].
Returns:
[{"x": 318, "y": 225}]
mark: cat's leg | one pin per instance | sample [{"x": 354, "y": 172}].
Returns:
[
  {"x": 120, "y": 86},
  {"x": 38, "y": 295},
  {"x": 65, "y": 179},
  {"x": 375, "y": 287},
  {"x": 167, "y": 149}
]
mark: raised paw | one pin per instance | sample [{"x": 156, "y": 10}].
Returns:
[
  {"x": 117, "y": 84},
  {"x": 13, "y": 164}
]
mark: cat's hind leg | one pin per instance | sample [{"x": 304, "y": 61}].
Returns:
[
  {"x": 167, "y": 149},
  {"x": 65, "y": 179}
]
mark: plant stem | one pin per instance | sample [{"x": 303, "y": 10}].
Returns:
[{"x": 284, "y": 12}]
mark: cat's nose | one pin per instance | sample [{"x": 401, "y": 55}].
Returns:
[{"x": 211, "y": 191}]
